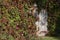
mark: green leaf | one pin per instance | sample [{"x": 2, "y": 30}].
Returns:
[{"x": 10, "y": 37}]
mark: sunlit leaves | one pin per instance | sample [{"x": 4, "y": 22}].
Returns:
[{"x": 15, "y": 19}]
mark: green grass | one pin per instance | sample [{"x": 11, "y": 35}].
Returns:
[{"x": 50, "y": 38}]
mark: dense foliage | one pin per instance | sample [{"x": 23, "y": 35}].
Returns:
[{"x": 16, "y": 23}]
